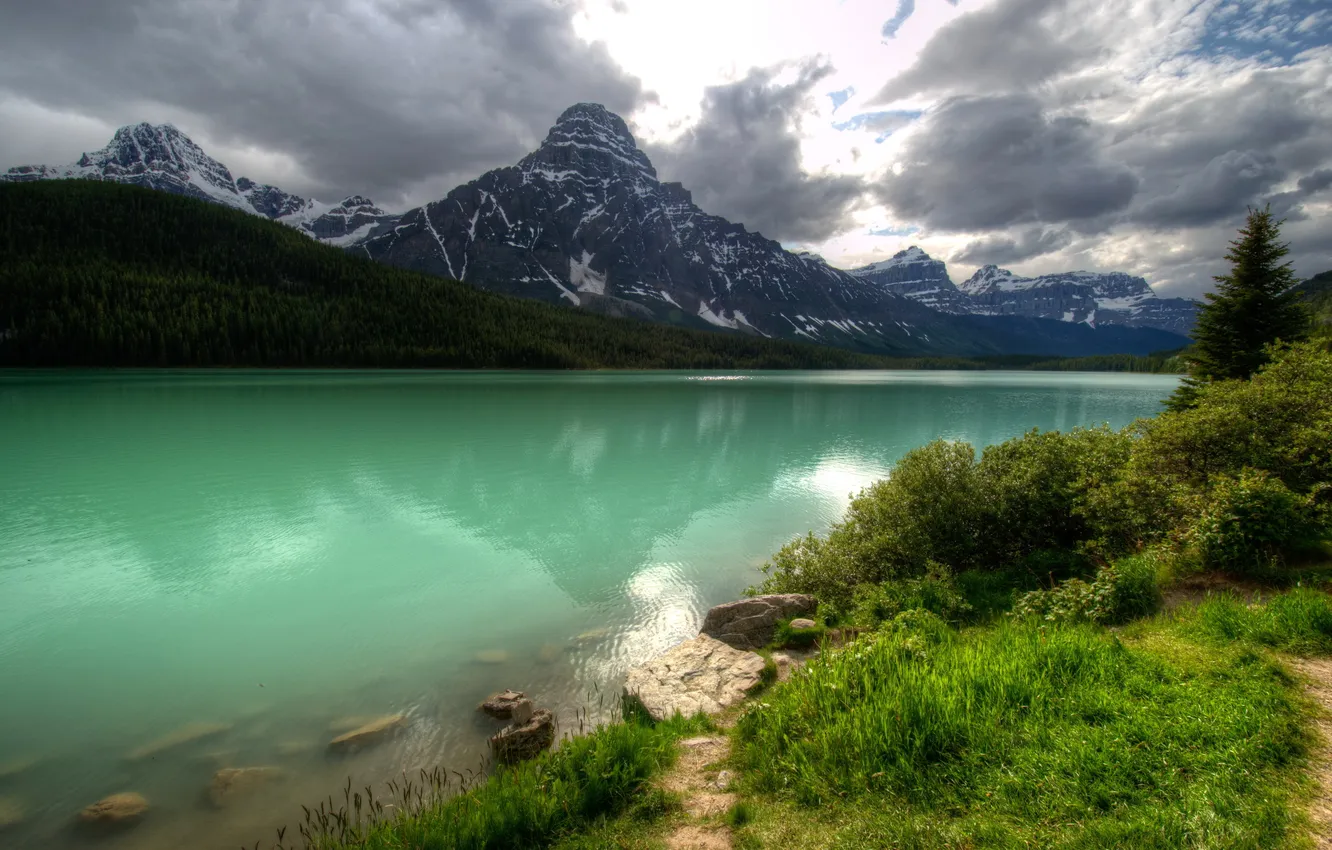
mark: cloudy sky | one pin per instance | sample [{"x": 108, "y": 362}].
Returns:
[{"x": 1036, "y": 134}]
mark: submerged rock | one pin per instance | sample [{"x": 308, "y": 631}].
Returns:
[
  {"x": 520, "y": 742},
  {"x": 492, "y": 656},
  {"x": 11, "y": 812},
  {"x": 117, "y": 810},
  {"x": 16, "y": 766},
  {"x": 368, "y": 734},
  {"x": 702, "y": 674},
  {"x": 354, "y": 721},
  {"x": 232, "y": 782},
  {"x": 186, "y": 734},
  {"x": 501, "y": 705},
  {"x": 752, "y": 623}
]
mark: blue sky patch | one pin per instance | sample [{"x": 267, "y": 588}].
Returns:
[
  {"x": 886, "y": 123},
  {"x": 1273, "y": 33},
  {"x": 840, "y": 97},
  {"x": 905, "y": 8},
  {"x": 895, "y": 231}
]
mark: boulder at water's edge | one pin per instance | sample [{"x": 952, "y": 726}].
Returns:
[
  {"x": 752, "y": 623},
  {"x": 702, "y": 674}
]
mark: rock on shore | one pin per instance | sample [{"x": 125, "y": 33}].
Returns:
[
  {"x": 703, "y": 674},
  {"x": 521, "y": 741},
  {"x": 752, "y": 623}
]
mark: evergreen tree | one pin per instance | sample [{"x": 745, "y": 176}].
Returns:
[{"x": 1253, "y": 306}]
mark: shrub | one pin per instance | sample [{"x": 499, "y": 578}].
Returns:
[
  {"x": 1250, "y": 521},
  {"x": 936, "y": 592},
  {"x": 1122, "y": 591},
  {"x": 941, "y": 506}
]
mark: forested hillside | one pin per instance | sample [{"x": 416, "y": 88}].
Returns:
[
  {"x": 1317, "y": 292},
  {"x": 99, "y": 274}
]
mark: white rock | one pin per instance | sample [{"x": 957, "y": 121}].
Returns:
[{"x": 702, "y": 674}]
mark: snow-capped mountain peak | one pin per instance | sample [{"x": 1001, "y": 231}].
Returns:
[
  {"x": 587, "y": 136},
  {"x": 162, "y": 157},
  {"x": 991, "y": 278}
]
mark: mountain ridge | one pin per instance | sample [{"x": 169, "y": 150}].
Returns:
[
  {"x": 1094, "y": 298},
  {"x": 161, "y": 157}
]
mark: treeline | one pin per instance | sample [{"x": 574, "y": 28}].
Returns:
[{"x": 100, "y": 274}]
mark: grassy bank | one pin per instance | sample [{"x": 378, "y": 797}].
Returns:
[{"x": 589, "y": 779}]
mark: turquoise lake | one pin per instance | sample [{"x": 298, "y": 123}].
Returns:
[{"x": 279, "y": 554}]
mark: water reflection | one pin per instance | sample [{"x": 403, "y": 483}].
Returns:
[{"x": 277, "y": 550}]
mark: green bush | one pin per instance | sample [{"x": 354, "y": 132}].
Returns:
[
  {"x": 1121, "y": 591},
  {"x": 942, "y": 506},
  {"x": 1250, "y": 521},
  {"x": 936, "y": 592}
]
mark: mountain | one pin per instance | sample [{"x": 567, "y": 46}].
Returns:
[
  {"x": 585, "y": 220},
  {"x": 1112, "y": 298},
  {"x": 918, "y": 276},
  {"x": 1097, "y": 299},
  {"x": 163, "y": 158},
  {"x": 100, "y": 274}
]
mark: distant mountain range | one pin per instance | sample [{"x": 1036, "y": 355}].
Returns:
[
  {"x": 584, "y": 220},
  {"x": 1112, "y": 298}
]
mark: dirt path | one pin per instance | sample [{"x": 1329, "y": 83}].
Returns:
[
  {"x": 1318, "y": 675},
  {"x": 696, "y": 777}
]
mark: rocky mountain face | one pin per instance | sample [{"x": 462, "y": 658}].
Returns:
[
  {"x": 918, "y": 276},
  {"x": 585, "y": 220},
  {"x": 163, "y": 158},
  {"x": 1092, "y": 298}
]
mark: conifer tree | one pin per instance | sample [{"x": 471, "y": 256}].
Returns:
[{"x": 1253, "y": 306}]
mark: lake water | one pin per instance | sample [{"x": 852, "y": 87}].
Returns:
[{"x": 274, "y": 552}]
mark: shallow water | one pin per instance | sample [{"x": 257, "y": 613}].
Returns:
[{"x": 275, "y": 552}]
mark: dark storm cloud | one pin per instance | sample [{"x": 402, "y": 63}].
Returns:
[
  {"x": 983, "y": 163},
  {"x": 371, "y": 97},
  {"x": 742, "y": 159},
  {"x": 1011, "y": 45},
  {"x": 1288, "y": 205},
  {"x": 1213, "y": 192},
  {"x": 1005, "y": 249}
]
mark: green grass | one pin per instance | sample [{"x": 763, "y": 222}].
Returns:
[
  {"x": 1299, "y": 621},
  {"x": 576, "y": 788},
  {"x": 1021, "y": 736}
]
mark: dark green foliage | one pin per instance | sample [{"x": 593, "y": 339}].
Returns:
[
  {"x": 942, "y": 506},
  {"x": 936, "y": 592},
  {"x": 102, "y": 274},
  {"x": 1122, "y": 591},
  {"x": 1038, "y": 737},
  {"x": 1247, "y": 521},
  {"x": 1253, "y": 306},
  {"x": 1279, "y": 422}
]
